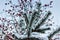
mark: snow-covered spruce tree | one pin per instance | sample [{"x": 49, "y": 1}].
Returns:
[{"x": 25, "y": 18}]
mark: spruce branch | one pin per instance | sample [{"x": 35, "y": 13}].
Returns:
[
  {"x": 39, "y": 6},
  {"x": 43, "y": 20},
  {"x": 30, "y": 23},
  {"x": 26, "y": 19},
  {"x": 32, "y": 18},
  {"x": 41, "y": 30},
  {"x": 51, "y": 35}
]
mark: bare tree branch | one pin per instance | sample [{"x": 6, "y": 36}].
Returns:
[
  {"x": 43, "y": 20},
  {"x": 51, "y": 35},
  {"x": 41, "y": 30}
]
